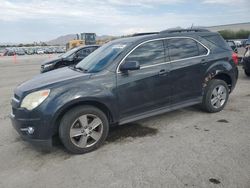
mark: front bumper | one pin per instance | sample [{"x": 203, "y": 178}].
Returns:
[
  {"x": 43, "y": 70},
  {"x": 37, "y": 138}
]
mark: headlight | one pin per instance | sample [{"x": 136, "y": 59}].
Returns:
[
  {"x": 47, "y": 66},
  {"x": 34, "y": 99}
]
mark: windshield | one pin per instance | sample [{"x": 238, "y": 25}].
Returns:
[
  {"x": 68, "y": 53},
  {"x": 101, "y": 57}
]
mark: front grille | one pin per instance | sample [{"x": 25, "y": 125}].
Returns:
[{"x": 14, "y": 111}]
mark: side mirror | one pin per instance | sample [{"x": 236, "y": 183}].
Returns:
[{"x": 129, "y": 65}]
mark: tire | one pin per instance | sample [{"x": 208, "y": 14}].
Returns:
[
  {"x": 247, "y": 72},
  {"x": 75, "y": 129},
  {"x": 215, "y": 96}
]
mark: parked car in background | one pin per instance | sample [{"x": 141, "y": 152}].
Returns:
[
  {"x": 123, "y": 81},
  {"x": 40, "y": 51},
  {"x": 60, "y": 50},
  {"x": 232, "y": 44},
  {"x": 238, "y": 43},
  {"x": 48, "y": 51},
  {"x": 33, "y": 50},
  {"x": 9, "y": 52},
  {"x": 71, "y": 57},
  {"x": 246, "y": 59},
  {"x": 2, "y": 50},
  {"x": 20, "y": 52},
  {"x": 30, "y": 51},
  {"x": 246, "y": 42}
]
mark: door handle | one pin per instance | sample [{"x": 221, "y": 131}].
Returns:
[
  {"x": 163, "y": 72},
  {"x": 203, "y": 62}
]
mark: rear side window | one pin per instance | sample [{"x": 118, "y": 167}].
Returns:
[
  {"x": 202, "y": 49},
  {"x": 181, "y": 48},
  {"x": 149, "y": 53}
]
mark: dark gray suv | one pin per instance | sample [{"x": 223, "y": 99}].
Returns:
[{"x": 123, "y": 81}]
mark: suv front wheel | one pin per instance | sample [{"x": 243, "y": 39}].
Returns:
[
  {"x": 83, "y": 129},
  {"x": 215, "y": 96}
]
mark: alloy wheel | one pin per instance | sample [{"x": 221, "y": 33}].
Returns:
[
  {"x": 86, "y": 130},
  {"x": 219, "y": 96}
]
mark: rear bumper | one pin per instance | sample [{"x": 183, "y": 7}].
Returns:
[{"x": 36, "y": 138}]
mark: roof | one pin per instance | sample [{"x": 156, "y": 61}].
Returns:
[{"x": 163, "y": 34}]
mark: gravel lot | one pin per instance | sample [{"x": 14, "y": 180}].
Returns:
[{"x": 184, "y": 148}]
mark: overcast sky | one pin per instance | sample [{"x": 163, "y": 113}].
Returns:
[{"x": 34, "y": 20}]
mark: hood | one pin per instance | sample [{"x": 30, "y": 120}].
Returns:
[
  {"x": 53, "y": 60},
  {"x": 49, "y": 78}
]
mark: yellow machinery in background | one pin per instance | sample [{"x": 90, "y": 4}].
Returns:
[
  {"x": 82, "y": 39},
  {"x": 86, "y": 39},
  {"x": 74, "y": 43}
]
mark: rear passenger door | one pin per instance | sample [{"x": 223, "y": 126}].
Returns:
[{"x": 188, "y": 65}]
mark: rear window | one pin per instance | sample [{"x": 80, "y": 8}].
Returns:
[{"x": 217, "y": 40}]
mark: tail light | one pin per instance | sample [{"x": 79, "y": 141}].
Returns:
[{"x": 235, "y": 58}]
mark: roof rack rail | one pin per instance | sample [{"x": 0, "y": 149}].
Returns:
[
  {"x": 184, "y": 30},
  {"x": 141, "y": 34}
]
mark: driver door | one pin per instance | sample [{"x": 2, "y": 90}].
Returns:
[{"x": 146, "y": 89}]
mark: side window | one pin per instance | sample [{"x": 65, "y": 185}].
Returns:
[
  {"x": 148, "y": 53},
  {"x": 79, "y": 54},
  {"x": 92, "y": 49},
  {"x": 86, "y": 52},
  {"x": 180, "y": 48},
  {"x": 83, "y": 53}
]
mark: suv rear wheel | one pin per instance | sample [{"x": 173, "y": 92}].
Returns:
[
  {"x": 215, "y": 96},
  {"x": 83, "y": 129}
]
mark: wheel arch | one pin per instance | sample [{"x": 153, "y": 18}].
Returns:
[
  {"x": 221, "y": 70},
  {"x": 220, "y": 76},
  {"x": 101, "y": 106},
  {"x": 225, "y": 77}
]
